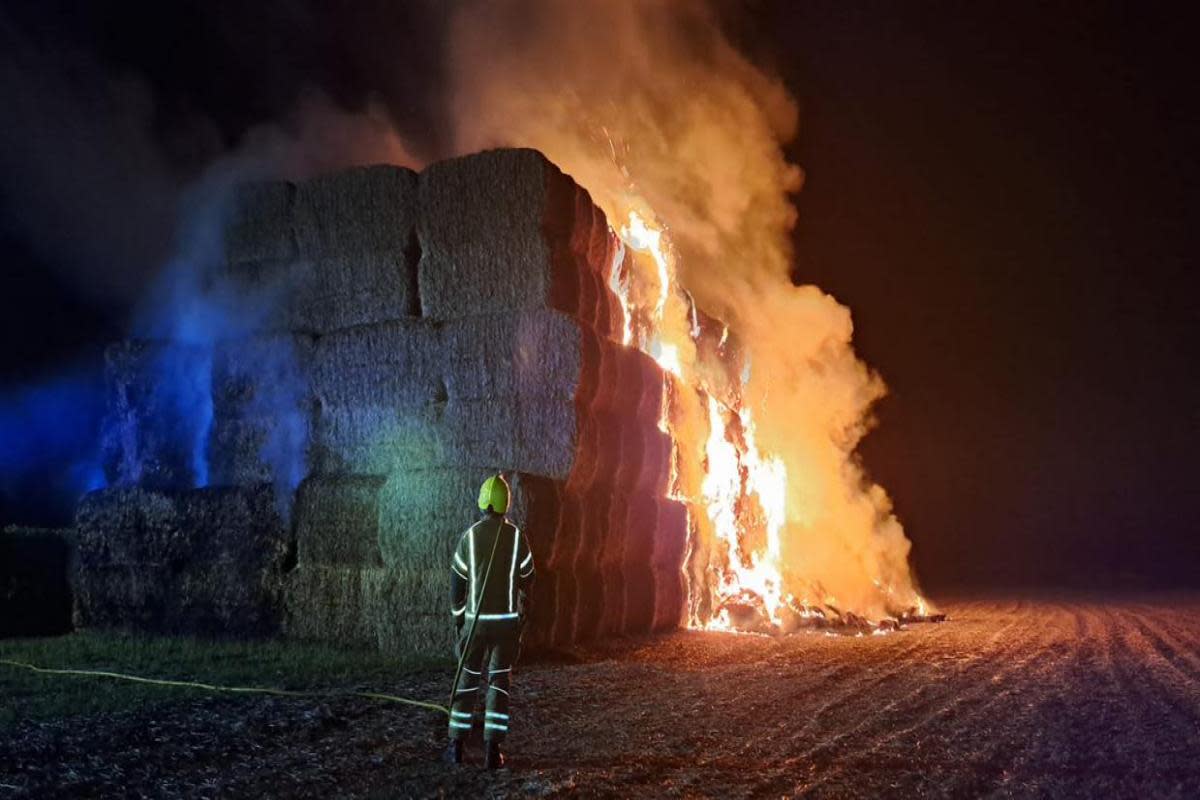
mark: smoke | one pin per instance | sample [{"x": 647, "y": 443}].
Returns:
[
  {"x": 652, "y": 109},
  {"x": 49, "y": 452}
]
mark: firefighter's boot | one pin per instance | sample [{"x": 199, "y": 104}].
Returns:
[
  {"x": 454, "y": 752},
  {"x": 493, "y": 758}
]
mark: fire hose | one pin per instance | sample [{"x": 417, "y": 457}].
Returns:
[{"x": 212, "y": 687}]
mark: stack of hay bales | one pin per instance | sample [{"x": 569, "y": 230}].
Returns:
[{"x": 420, "y": 331}]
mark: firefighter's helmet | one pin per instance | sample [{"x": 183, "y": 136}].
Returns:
[{"x": 493, "y": 495}]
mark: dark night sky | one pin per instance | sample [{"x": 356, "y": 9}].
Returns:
[{"x": 1003, "y": 193}]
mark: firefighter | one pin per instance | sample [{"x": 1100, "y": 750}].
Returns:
[{"x": 490, "y": 576}]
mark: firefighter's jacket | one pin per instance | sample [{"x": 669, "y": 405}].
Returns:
[{"x": 510, "y": 577}]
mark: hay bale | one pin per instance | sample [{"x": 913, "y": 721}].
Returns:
[
  {"x": 398, "y": 610},
  {"x": 262, "y": 374},
  {"x": 423, "y": 513},
  {"x": 338, "y": 292},
  {"x": 409, "y": 610},
  {"x": 35, "y": 595},
  {"x": 325, "y": 603},
  {"x": 328, "y": 293},
  {"x": 337, "y": 521},
  {"x": 505, "y": 230},
  {"x": 333, "y": 252},
  {"x": 531, "y": 353},
  {"x": 159, "y": 404},
  {"x": 245, "y": 451},
  {"x": 395, "y": 364},
  {"x": 374, "y": 440},
  {"x": 262, "y": 404},
  {"x": 535, "y": 437},
  {"x": 204, "y": 561},
  {"x": 260, "y": 223},
  {"x": 356, "y": 211}
]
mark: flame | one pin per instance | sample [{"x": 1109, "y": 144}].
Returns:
[
  {"x": 644, "y": 238},
  {"x": 737, "y": 478},
  {"x": 743, "y": 490},
  {"x": 734, "y": 475},
  {"x": 621, "y": 290}
]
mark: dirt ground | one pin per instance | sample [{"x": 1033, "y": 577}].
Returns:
[{"x": 1014, "y": 698}]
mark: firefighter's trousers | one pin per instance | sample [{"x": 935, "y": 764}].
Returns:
[{"x": 489, "y": 656}]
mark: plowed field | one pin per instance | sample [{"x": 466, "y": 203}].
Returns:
[{"x": 1021, "y": 698}]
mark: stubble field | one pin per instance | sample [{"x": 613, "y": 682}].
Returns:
[{"x": 1061, "y": 697}]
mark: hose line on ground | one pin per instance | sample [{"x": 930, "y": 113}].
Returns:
[{"x": 212, "y": 687}]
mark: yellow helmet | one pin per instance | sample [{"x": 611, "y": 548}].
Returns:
[{"x": 493, "y": 495}]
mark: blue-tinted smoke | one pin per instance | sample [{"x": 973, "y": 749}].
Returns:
[
  {"x": 101, "y": 214},
  {"x": 146, "y": 416},
  {"x": 49, "y": 446},
  {"x": 196, "y": 305}
]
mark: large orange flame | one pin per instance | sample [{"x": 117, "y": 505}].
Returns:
[
  {"x": 743, "y": 491},
  {"x": 735, "y": 472}
]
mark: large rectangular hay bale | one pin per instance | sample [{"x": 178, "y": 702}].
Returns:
[
  {"x": 244, "y": 451},
  {"x": 261, "y": 375},
  {"x": 536, "y": 353},
  {"x": 325, "y": 603},
  {"x": 535, "y": 436},
  {"x": 374, "y": 440},
  {"x": 394, "y": 609},
  {"x": 327, "y": 293},
  {"x": 397, "y": 364},
  {"x": 206, "y": 561},
  {"x": 506, "y": 229},
  {"x": 424, "y": 511},
  {"x": 337, "y": 521},
  {"x": 356, "y": 211},
  {"x": 260, "y": 225}
]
